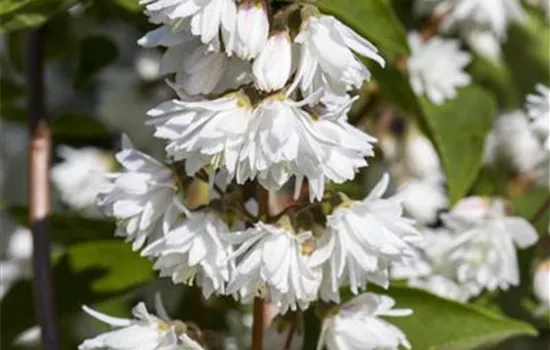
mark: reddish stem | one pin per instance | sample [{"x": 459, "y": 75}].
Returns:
[{"x": 40, "y": 143}]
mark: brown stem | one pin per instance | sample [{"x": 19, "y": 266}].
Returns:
[
  {"x": 431, "y": 28},
  {"x": 39, "y": 190},
  {"x": 291, "y": 331},
  {"x": 258, "y": 325},
  {"x": 540, "y": 213},
  {"x": 259, "y": 322}
]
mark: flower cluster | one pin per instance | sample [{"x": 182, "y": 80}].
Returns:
[
  {"x": 238, "y": 111},
  {"x": 475, "y": 250},
  {"x": 436, "y": 67}
]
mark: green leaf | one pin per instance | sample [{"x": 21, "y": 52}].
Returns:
[
  {"x": 22, "y": 14},
  {"x": 373, "y": 19},
  {"x": 312, "y": 329},
  {"x": 74, "y": 127},
  {"x": 130, "y": 5},
  {"x": 395, "y": 88},
  {"x": 496, "y": 77},
  {"x": 84, "y": 274},
  {"x": 69, "y": 228},
  {"x": 95, "y": 53},
  {"x": 527, "y": 53},
  {"x": 458, "y": 129},
  {"x": 122, "y": 268},
  {"x": 533, "y": 206},
  {"x": 440, "y": 324}
]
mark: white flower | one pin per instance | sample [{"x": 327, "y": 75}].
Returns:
[
  {"x": 494, "y": 15},
  {"x": 81, "y": 176},
  {"x": 147, "y": 64},
  {"x": 166, "y": 36},
  {"x": 205, "y": 17},
  {"x": 198, "y": 68},
  {"x": 193, "y": 251},
  {"x": 270, "y": 142},
  {"x": 512, "y": 143},
  {"x": 139, "y": 197},
  {"x": 436, "y": 67},
  {"x": 358, "y": 324},
  {"x": 284, "y": 140},
  {"x": 369, "y": 235},
  {"x": 18, "y": 263},
  {"x": 273, "y": 65},
  {"x": 541, "y": 284},
  {"x": 421, "y": 158},
  {"x": 145, "y": 331},
  {"x": 485, "y": 43},
  {"x": 423, "y": 200},
  {"x": 327, "y": 60},
  {"x": 484, "y": 250},
  {"x": 252, "y": 30},
  {"x": 208, "y": 132},
  {"x": 278, "y": 264},
  {"x": 430, "y": 270},
  {"x": 538, "y": 110}
]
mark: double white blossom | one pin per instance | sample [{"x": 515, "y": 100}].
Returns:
[
  {"x": 484, "y": 250},
  {"x": 139, "y": 197},
  {"x": 430, "y": 269},
  {"x": 279, "y": 264},
  {"x": 145, "y": 331},
  {"x": 271, "y": 141},
  {"x": 538, "y": 110},
  {"x": 423, "y": 200},
  {"x": 436, "y": 67},
  {"x": 416, "y": 169},
  {"x": 198, "y": 68},
  {"x": 193, "y": 251},
  {"x": 205, "y": 18},
  {"x": 475, "y": 250},
  {"x": 81, "y": 176},
  {"x": 358, "y": 324},
  {"x": 512, "y": 144},
  {"x": 369, "y": 236},
  {"x": 327, "y": 57}
]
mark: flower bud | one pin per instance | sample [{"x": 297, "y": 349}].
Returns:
[
  {"x": 541, "y": 283},
  {"x": 252, "y": 29},
  {"x": 272, "y": 67}
]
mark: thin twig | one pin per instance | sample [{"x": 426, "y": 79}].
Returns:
[
  {"x": 39, "y": 190},
  {"x": 262, "y": 196},
  {"x": 291, "y": 331},
  {"x": 540, "y": 213},
  {"x": 258, "y": 325},
  {"x": 432, "y": 26}
]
